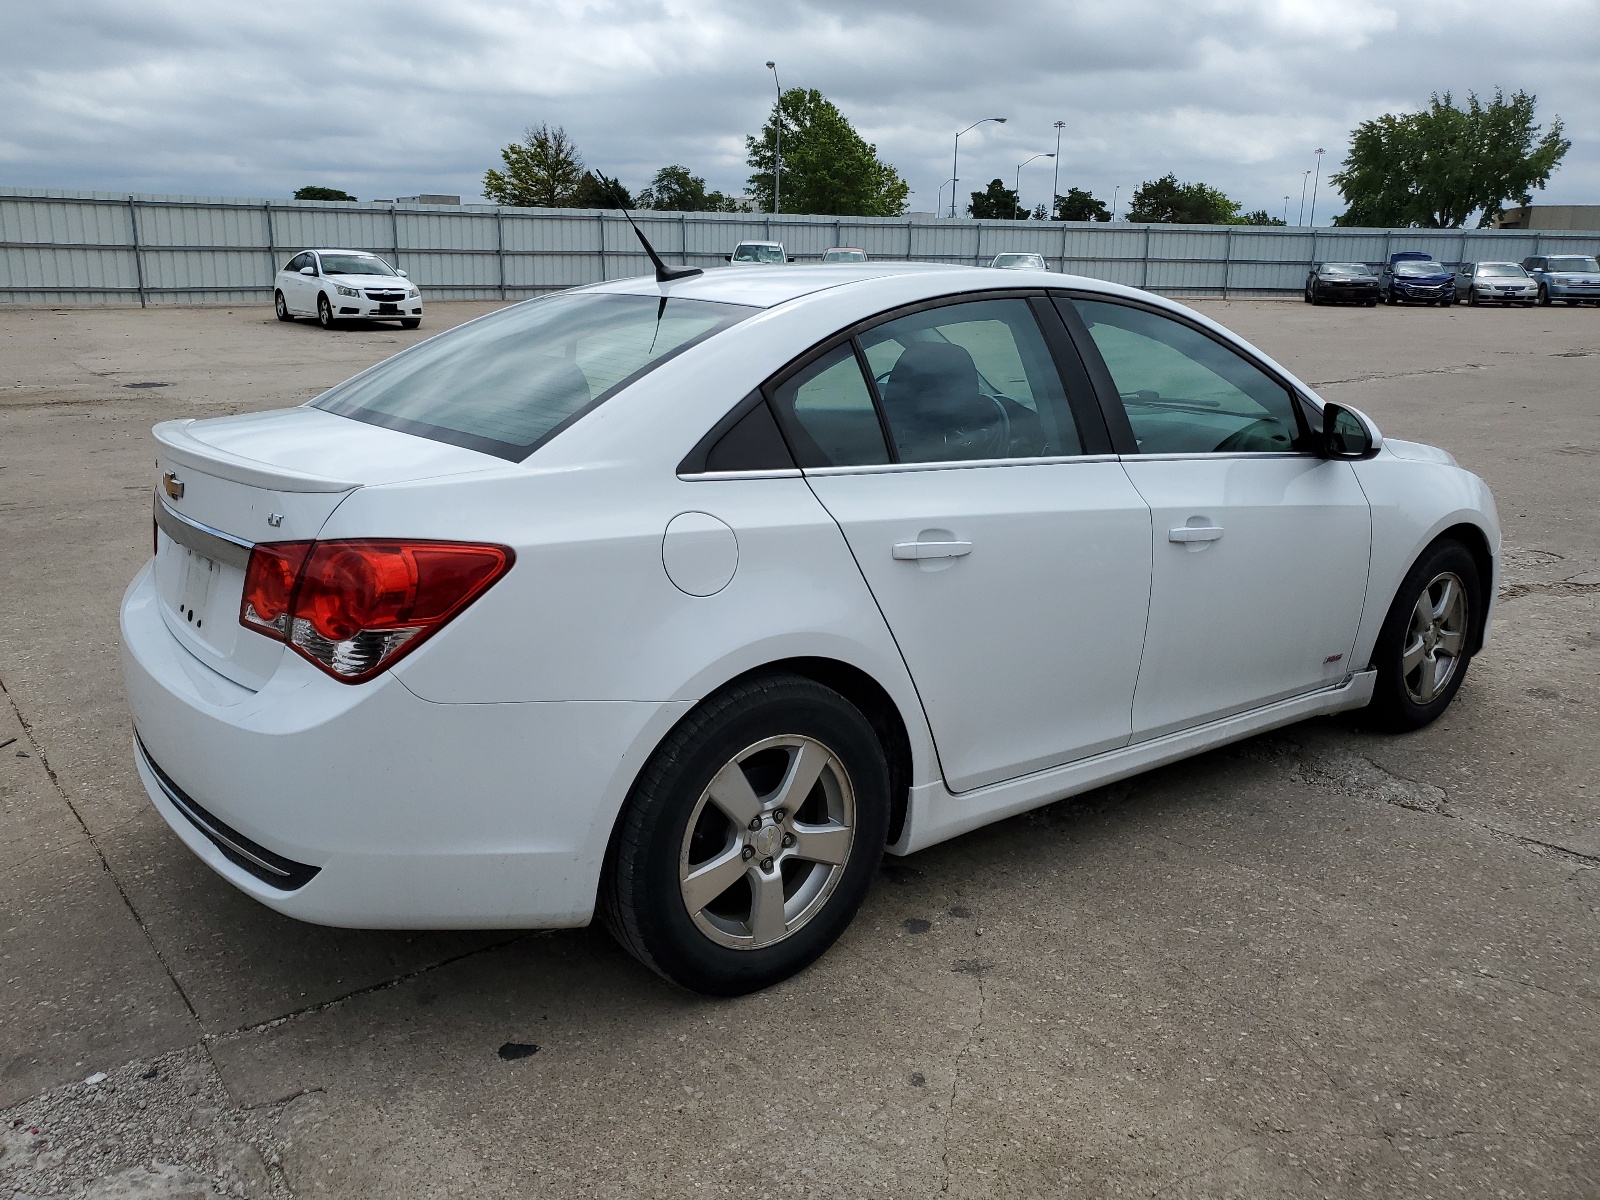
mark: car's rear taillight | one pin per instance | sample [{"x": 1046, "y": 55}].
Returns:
[{"x": 354, "y": 607}]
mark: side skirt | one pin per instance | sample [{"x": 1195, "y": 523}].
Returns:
[{"x": 935, "y": 814}]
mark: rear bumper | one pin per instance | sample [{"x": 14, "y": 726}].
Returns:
[{"x": 402, "y": 813}]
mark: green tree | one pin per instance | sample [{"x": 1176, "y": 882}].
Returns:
[
  {"x": 322, "y": 193},
  {"x": 827, "y": 166},
  {"x": 1260, "y": 217},
  {"x": 1079, "y": 205},
  {"x": 996, "y": 202},
  {"x": 542, "y": 171},
  {"x": 677, "y": 189},
  {"x": 1437, "y": 167},
  {"x": 1165, "y": 200},
  {"x": 595, "y": 190}
]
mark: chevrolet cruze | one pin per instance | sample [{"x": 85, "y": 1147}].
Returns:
[
  {"x": 339, "y": 285},
  {"x": 680, "y": 601}
]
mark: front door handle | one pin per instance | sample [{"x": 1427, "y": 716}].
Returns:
[
  {"x": 916, "y": 551},
  {"x": 1195, "y": 533}
]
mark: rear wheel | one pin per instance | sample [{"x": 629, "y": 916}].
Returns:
[
  {"x": 281, "y": 307},
  {"x": 324, "y": 312},
  {"x": 1423, "y": 649},
  {"x": 750, "y": 838}
]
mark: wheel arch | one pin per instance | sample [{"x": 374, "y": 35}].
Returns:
[{"x": 1477, "y": 545}]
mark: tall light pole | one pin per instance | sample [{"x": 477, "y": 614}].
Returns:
[
  {"x": 937, "y": 203},
  {"x": 1304, "y": 179},
  {"x": 1286, "y": 210},
  {"x": 1114, "y": 192},
  {"x": 1314, "y": 184},
  {"x": 1055, "y": 181},
  {"x": 955, "y": 172},
  {"x": 1020, "y": 165},
  {"x": 777, "y": 154}
]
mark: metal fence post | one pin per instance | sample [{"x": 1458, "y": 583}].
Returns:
[
  {"x": 1227, "y": 263},
  {"x": 1144, "y": 274},
  {"x": 272, "y": 245},
  {"x": 394, "y": 233},
  {"x": 1061, "y": 263},
  {"x": 500, "y": 245},
  {"x": 683, "y": 239},
  {"x": 601, "y": 216},
  {"x": 909, "y": 245},
  {"x": 977, "y": 246},
  {"x": 138, "y": 260}
]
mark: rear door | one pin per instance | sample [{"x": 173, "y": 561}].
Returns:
[
  {"x": 1260, "y": 548},
  {"x": 1011, "y": 561}
]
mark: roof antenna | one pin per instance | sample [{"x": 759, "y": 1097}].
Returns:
[{"x": 664, "y": 273}]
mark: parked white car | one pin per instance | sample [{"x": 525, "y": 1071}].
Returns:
[
  {"x": 337, "y": 285},
  {"x": 1018, "y": 262},
  {"x": 759, "y": 253},
  {"x": 682, "y": 602}
]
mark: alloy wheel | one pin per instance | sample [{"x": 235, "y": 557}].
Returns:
[
  {"x": 1436, "y": 638},
  {"x": 767, "y": 842}
]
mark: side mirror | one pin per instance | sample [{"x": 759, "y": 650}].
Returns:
[
  {"x": 1348, "y": 433},
  {"x": 308, "y": 270},
  {"x": 791, "y": 258},
  {"x": 402, "y": 274},
  {"x": 727, "y": 258}
]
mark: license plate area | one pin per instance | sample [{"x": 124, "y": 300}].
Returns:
[
  {"x": 197, "y": 581},
  {"x": 389, "y": 308}
]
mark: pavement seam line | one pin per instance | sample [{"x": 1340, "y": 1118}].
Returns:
[
  {"x": 105, "y": 863},
  {"x": 381, "y": 986}
]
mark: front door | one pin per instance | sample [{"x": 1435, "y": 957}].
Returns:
[
  {"x": 1012, "y": 569},
  {"x": 1260, "y": 549}
]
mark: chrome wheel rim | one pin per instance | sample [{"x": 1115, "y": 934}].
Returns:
[
  {"x": 280, "y": 305},
  {"x": 1435, "y": 638},
  {"x": 767, "y": 842}
]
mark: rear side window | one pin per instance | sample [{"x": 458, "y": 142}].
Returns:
[
  {"x": 506, "y": 383},
  {"x": 829, "y": 412}
]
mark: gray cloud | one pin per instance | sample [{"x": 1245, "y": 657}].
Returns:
[{"x": 405, "y": 96}]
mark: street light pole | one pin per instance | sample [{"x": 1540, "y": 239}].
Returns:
[
  {"x": 1304, "y": 179},
  {"x": 777, "y": 153},
  {"x": 1018, "y": 189},
  {"x": 1055, "y": 181},
  {"x": 1286, "y": 210},
  {"x": 1314, "y": 187},
  {"x": 955, "y": 172},
  {"x": 1114, "y": 193}
]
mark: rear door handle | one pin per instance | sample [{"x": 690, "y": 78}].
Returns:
[
  {"x": 916, "y": 551},
  {"x": 1194, "y": 533}
]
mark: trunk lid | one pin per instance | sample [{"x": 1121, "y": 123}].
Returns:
[{"x": 227, "y": 483}]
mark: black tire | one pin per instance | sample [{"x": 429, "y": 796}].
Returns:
[
  {"x": 642, "y": 897},
  {"x": 1405, "y": 700},
  {"x": 1472, "y": 298},
  {"x": 1390, "y": 298},
  {"x": 1307, "y": 295},
  {"x": 324, "y": 313},
  {"x": 281, "y": 307},
  {"x": 1372, "y": 304},
  {"x": 1544, "y": 294},
  {"x": 410, "y": 322}
]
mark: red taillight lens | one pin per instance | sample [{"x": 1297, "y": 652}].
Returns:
[
  {"x": 269, "y": 586},
  {"x": 354, "y": 607}
]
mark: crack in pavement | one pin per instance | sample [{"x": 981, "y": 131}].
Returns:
[
  {"x": 976, "y": 971},
  {"x": 1560, "y": 587},
  {"x": 1376, "y": 375}
]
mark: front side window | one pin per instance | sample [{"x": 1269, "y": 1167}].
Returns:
[
  {"x": 1185, "y": 393},
  {"x": 506, "y": 382},
  {"x": 970, "y": 381}
]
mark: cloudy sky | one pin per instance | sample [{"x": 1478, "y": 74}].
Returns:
[{"x": 404, "y": 96}]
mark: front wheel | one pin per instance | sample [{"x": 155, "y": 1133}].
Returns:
[
  {"x": 281, "y": 307},
  {"x": 410, "y": 322},
  {"x": 1544, "y": 294},
  {"x": 751, "y": 837},
  {"x": 324, "y": 312},
  {"x": 1472, "y": 298},
  {"x": 1425, "y": 644}
]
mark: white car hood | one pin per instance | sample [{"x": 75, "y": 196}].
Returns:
[{"x": 382, "y": 282}]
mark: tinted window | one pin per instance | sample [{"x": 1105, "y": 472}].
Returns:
[
  {"x": 753, "y": 444},
  {"x": 828, "y": 409},
  {"x": 1419, "y": 268},
  {"x": 970, "y": 381},
  {"x": 1344, "y": 269},
  {"x": 1185, "y": 393},
  {"x": 505, "y": 382}
]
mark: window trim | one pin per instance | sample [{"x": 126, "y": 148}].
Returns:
[{"x": 1111, "y": 407}]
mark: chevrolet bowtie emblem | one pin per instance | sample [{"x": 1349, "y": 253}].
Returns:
[{"x": 172, "y": 485}]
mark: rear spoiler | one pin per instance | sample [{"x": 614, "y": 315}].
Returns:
[{"x": 183, "y": 448}]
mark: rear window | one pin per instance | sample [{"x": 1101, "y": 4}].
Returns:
[{"x": 508, "y": 382}]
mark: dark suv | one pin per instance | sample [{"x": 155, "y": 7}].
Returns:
[{"x": 1413, "y": 276}]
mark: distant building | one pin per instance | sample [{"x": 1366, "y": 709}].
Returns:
[
  {"x": 427, "y": 198},
  {"x": 1551, "y": 216}
]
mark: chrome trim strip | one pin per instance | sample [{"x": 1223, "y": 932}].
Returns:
[
  {"x": 776, "y": 473},
  {"x": 1207, "y": 455},
  {"x": 206, "y": 827},
  {"x": 202, "y": 539},
  {"x": 961, "y": 464}
]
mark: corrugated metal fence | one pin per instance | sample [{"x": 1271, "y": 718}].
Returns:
[{"x": 101, "y": 247}]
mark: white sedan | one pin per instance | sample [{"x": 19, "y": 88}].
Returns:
[
  {"x": 338, "y": 285},
  {"x": 682, "y": 602}
]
